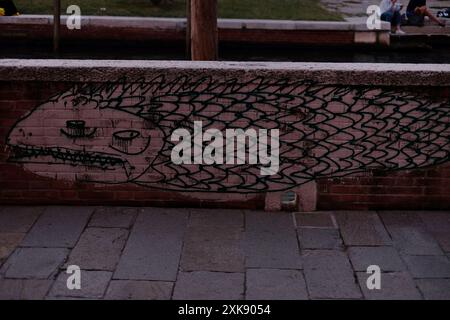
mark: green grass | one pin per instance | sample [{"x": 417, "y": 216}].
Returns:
[{"x": 250, "y": 9}]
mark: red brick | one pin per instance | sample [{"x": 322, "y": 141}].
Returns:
[
  {"x": 12, "y": 194},
  {"x": 14, "y": 184},
  {"x": 40, "y": 184},
  {"x": 124, "y": 195},
  {"x": 97, "y": 195},
  {"x": 42, "y": 194},
  {"x": 68, "y": 194}
]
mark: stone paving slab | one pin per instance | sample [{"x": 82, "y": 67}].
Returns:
[
  {"x": 202, "y": 285},
  {"x": 223, "y": 254},
  {"x": 93, "y": 285},
  {"x": 315, "y": 220},
  {"x": 154, "y": 247},
  {"x": 428, "y": 266},
  {"x": 139, "y": 290},
  {"x": 19, "y": 289},
  {"x": 436, "y": 221},
  {"x": 400, "y": 219},
  {"x": 34, "y": 263},
  {"x": 414, "y": 241},
  {"x": 274, "y": 284},
  {"x": 213, "y": 242},
  {"x": 329, "y": 275},
  {"x": 438, "y": 224},
  {"x": 222, "y": 218},
  {"x": 361, "y": 228},
  {"x": 212, "y": 250},
  {"x": 99, "y": 249},
  {"x": 18, "y": 219},
  {"x": 319, "y": 238},
  {"x": 69, "y": 298},
  {"x": 423, "y": 232},
  {"x": 387, "y": 258},
  {"x": 443, "y": 238},
  {"x": 209, "y": 249},
  {"x": 58, "y": 227},
  {"x": 410, "y": 234},
  {"x": 8, "y": 242},
  {"x": 113, "y": 217},
  {"x": 434, "y": 289},
  {"x": 394, "y": 286},
  {"x": 271, "y": 241}
]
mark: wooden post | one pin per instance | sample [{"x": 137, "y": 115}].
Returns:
[
  {"x": 188, "y": 29},
  {"x": 203, "y": 29},
  {"x": 56, "y": 24}
]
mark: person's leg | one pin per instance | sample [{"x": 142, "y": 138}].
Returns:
[
  {"x": 396, "y": 21},
  {"x": 424, "y": 11},
  {"x": 387, "y": 16},
  {"x": 396, "y": 17},
  {"x": 415, "y": 18}
]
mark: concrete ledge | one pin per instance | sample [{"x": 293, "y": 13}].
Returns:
[
  {"x": 230, "y": 30},
  {"x": 142, "y": 22},
  {"x": 111, "y": 70}
]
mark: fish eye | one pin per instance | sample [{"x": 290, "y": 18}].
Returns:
[
  {"x": 121, "y": 140},
  {"x": 126, "y": 135},
  {"x": 77, "y": 129},
  {"x": 75, "y": 124}
]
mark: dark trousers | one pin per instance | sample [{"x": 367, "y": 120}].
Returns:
[{"x": 393, "y": 17}]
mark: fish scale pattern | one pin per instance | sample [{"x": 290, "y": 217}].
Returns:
[{"x": 325, "y": 130}]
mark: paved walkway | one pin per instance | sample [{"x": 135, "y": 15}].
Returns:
[
  {"x": 354, "y": 11},
  {"x": 357, "y": 8},
  {"x": 153, "y": 253}
]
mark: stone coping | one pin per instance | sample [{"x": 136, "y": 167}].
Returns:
[
  {"x": 180, "y": 23},
  {"x": 332, "y": 73}
]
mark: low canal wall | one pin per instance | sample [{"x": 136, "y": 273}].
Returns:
[
  {"x": 132, "y": 30},
  {"x": 299, "y": 136}
]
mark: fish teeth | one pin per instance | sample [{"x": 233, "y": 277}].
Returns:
[{"x": 65, "y": 155}]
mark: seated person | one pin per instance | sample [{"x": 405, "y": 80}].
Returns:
[
  {"x": 416, "y": 12},
  {"x": 390, "y": 12},
  {"x": 7, "y": 8}
]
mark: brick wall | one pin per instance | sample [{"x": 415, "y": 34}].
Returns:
[
  {"x": 41, "y": 97},
  {"x": 410, "y": 190},
  {"x": 22, "y": 186}
]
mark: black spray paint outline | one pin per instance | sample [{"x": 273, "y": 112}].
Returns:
[{"x": 370, "y": 130}]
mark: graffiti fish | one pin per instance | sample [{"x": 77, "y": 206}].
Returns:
[{"x": 121, "y": 132}]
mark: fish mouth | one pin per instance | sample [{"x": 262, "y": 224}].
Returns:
[{"x": 60, "y": 155}]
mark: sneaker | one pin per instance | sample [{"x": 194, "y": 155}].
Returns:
[
  {"x": 400, "y": 31},
  {"x": 443, "y": 14}
]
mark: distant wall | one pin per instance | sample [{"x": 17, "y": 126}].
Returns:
[
  {"x": 351, "y": 136},
  {"x": 124, "y": 30}
]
